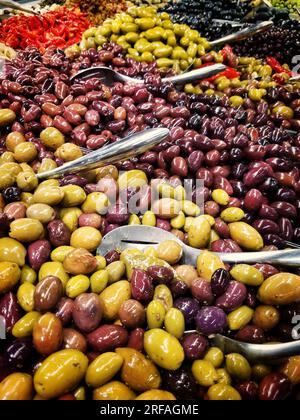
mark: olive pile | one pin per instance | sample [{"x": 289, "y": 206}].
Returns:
[
  {"x": 201, "y": 15},
  {"x": 281, "y": 41},
  {"x": 290, "y": 5}
]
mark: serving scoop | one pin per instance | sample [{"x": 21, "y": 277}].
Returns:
[
  {"x": 110, "y": 76},
  {"x": 256, "y": 353},
  {"x": 120, "y": 150},
  {"x": 141, "y": 237}
]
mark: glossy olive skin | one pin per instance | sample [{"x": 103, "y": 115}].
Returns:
[
  {"x": 10, "y": 310},
  {"x": 18, "y": 353},
  {"x": 181, "y": 383},
  {"x": 87, "y": 312},
  {"x": 274, "y": 387}
]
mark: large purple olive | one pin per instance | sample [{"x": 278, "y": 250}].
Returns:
[
  {"x": 233, "y": 298},
  {"x": 194, "y": 346},
  {"x": 18, "y": 353},
  {"x": 181, "y": 383},
  {"x": 211, "y": 320},
  {"x": 189, "y": 307}
]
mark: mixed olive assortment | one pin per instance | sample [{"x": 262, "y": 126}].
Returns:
[{"x": 132, "y": 324}]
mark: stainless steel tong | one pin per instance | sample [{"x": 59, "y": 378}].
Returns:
[
  {"x": 15, "y": 6},
  {"x": 112, "y": 153},
  {"x": 110, "y": 76},
  {"x": 243, "y": 34},
  {"x": 257, "y": 353},
  {"x": 141, "y": 237}
]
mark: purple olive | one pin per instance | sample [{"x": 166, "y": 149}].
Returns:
[
  {"x": 189, "y": 307},
  {"x": 220, "y": 282},
  {"x": 181, "y": 383},
  {"x": 211, "y": 320},
  {"x": 194, "y": 346},
  {"x": 234, "y": 296},
  {"x": 201, "y": 290},
  {"x": 18, "y": 353}
]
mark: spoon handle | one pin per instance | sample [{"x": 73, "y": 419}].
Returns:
[
  {"x": 15, "y": 6},
  {"x": 118, "y": 151},
  {"x": 259, "y": 353},
  {"x": 287, "y": 257},
  {"x": 196, "y": 75},
  {"x": 243, "y": 34}
]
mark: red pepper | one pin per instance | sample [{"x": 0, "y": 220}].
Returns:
[
  {"x": 276, "y": 66},
  {"x": 59, "y": 28},
  {"x": 230, "y": 73}
]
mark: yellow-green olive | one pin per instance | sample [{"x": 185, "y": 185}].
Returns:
[
  {"x": 103, "y": 369},
  {"x": 174, "y": 322},
  {"x": 24, "y": 327},
  {"x": 223, "y": 392},
  {"x": 115, "y": 271},
  {"x": 163, "y": 349},
  {"x": 207, "y": 264},
  {"x": 169, "y": 251},
  {"x": 86, "y": 237},
  {"x": 41, "y": 212},
  {"x": 247, "y": 274},
  {"x": 280, "y": 289},
  {"x": 25, "y": 296},
  {"x": 155, "y": 314},
  {"x": 25, "y": 152},
  {"x": 238, "y": 367},
  {"x": 99, "y": 281},
  {"x": 240, "y": 318},
  {"x": 10, "y": 274},
  {"x": 199, "y": 233},
  {"x": 232, "y": 214},
  {"x": 246, "y": 236},
  {"x": 215, "y": 356},
  {"x": 52, "y": 138},
  {"x": 12, "y": 251},
  {"x": 77, "y": 285},
  {"x": 73, "y": 196},
  {"x": 204, "y": 373},
  {"x": 28, "y": 275},
  {"x": 26, "y": 230},
  {"x": 7, "y": 116}
]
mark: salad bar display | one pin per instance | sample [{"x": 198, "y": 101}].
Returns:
[{"x": 150, "y": 201}]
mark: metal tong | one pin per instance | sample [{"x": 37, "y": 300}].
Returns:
[
  {"x": 110, "y": 76},
  {"x": 141, "y": 237},
  {"x": 112, "y": 153},
  {"x": 15, "y": 6},
  {"x": 244, "y": 33}
]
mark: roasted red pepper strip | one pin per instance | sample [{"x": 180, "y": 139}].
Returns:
[
  {"x": 276, "y": 66},
  {"x": 230, "y": 73},
  {"x": 60, "y": 28}
]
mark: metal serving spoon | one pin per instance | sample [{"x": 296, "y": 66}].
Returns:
[
  {"x": 256, "y": 353},
  {"x": 243, "y": 34},
  {"x": 141, "y": 237},
  {"x": 112, "y": 153},
  {"x": 15, "y": 6},
  {"x": 111, "y": 76}
]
